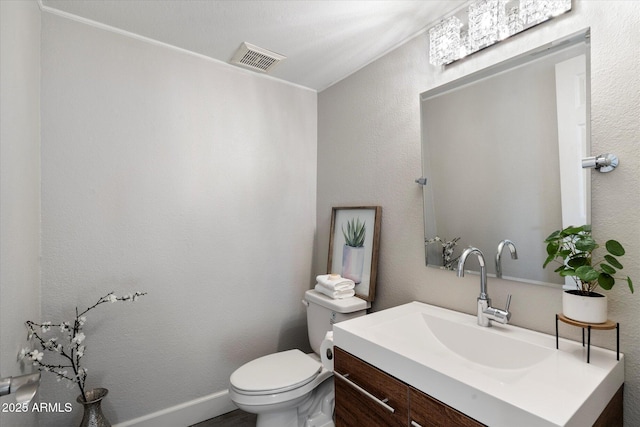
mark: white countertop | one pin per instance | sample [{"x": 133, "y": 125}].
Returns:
[{"x": 531, "y": 382}]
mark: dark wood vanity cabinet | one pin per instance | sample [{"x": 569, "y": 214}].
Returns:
[
  {"x": 367, "y": 396},
  {"x": 364, "y": 394},
  {"x": 370, "y": 397},
  {"x": 426, "y": 411}
]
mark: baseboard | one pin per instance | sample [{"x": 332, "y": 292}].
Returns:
[{"x": 187, "y": 413}]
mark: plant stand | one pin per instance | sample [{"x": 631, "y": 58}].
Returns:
[{"x": 608, "y": 325}]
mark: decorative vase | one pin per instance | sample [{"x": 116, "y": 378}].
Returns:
[
  {"x": 93, "y": 416},
  {"x": 352, "y": 263},
  {"x": 591, "y": 308}
]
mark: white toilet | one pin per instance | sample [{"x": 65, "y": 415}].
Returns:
[{"x": 291, "y": 388}]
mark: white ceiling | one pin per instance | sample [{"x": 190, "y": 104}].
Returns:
[{"x": 324, "y": 40}]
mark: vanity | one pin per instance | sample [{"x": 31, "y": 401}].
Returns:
[
  {"x": 357, "y": 406},
  {"x": 422, "y": 365}
]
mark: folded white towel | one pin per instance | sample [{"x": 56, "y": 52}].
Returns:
[
  {"x": 338, "y": 288},
  {"x": 335, "y": 282},
  {"x": 345, "y": 293}
]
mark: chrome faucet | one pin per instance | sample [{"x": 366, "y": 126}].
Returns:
[
  {"x": 512, "y": 250},
  {"x": 486, "y": 313}
]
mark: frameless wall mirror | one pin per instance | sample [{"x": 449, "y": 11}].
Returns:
[{"x": 501, "y": 152}]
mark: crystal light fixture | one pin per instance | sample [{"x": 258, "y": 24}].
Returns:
[
  {"x": 446, "y": 41},
  {"x": 483, "y": 24},
  {"x": 509, "y": 18},
  {"x": 533, "y": 12},
  {"x": 486, "y": 22}
]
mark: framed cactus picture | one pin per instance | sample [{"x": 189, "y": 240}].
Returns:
[{"x": 353, "y": 246}]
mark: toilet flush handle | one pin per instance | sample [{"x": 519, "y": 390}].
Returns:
[{"x": 305, "y": 303}]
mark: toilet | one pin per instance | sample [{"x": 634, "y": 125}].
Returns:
[{"x": 291, "y": 388}]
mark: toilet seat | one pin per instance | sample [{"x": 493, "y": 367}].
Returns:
[{"x": 275, "y": 373}]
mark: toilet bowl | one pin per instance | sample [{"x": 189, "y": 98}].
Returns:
[
  {"x": 283, "y": 389},
  {"x": 291, "y": 388}
]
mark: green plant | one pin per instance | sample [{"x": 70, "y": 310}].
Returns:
[
  {"x": 355, "y": 233},
  {"x": 573, "y": 248}
]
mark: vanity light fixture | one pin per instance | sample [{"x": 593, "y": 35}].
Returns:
[{"x": 485, "y": 22}]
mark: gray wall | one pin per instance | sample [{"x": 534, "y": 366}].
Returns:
[
  {"x": 192, "y": 180},
  {"x": 19, "y": 187},
  {"x": 369, "y": 153}
]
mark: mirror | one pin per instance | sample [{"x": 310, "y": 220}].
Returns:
[{"x": 501, "y": 153}]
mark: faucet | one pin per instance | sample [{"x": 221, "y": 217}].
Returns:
[
  {"x": 486, "y": 313},
  {"x": 512, "y": 249}
]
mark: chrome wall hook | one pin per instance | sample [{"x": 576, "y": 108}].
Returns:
[{"x": 602, "y": 163}]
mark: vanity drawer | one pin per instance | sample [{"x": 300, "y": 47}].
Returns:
[
  {"x": 366, "y": 396},
  {"x": 429, "y": 412}
]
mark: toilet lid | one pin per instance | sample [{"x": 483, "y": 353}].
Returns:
[{"x": 276, "y": 372}]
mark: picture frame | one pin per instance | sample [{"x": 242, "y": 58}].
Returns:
[{"x": 354, "y": 246}]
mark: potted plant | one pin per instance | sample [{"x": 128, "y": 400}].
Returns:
[{"x": 573, "y": 248}]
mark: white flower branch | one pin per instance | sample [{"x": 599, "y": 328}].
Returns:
[
  {"x": 448, "y": 247},
  {"x": 74, "y": 349}
]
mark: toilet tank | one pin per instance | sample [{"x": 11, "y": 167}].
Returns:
[{"x": 323, "y": 312}]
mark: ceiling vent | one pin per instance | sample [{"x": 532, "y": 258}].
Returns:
[{"x": 256, "y": 58}]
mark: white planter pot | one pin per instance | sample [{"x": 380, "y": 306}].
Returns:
[
  {"x": 353, "y": 263},
  {"x": 588, "y": 309}
]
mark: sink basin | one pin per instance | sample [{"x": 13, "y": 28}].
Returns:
[
  {"x": 495, "y": 375},
  {"x": 491, "y": 347}
]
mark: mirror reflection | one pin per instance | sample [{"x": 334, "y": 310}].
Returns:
[{"x": 502, "y": 152}]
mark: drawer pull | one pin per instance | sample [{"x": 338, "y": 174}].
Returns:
[
  {"x": 382, "y": 402},
  {"x": 415, "y": 424}
]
